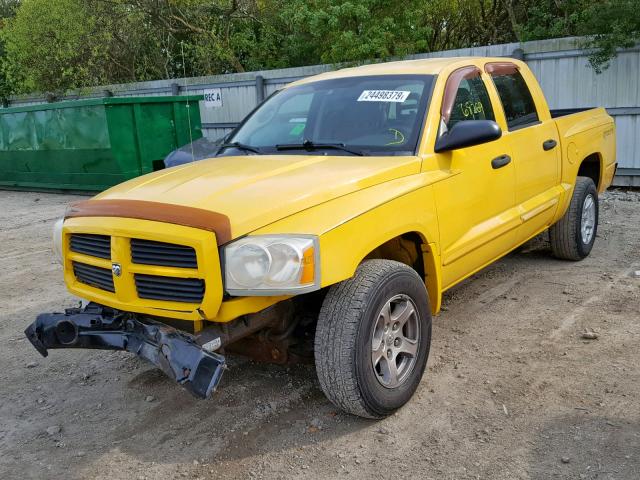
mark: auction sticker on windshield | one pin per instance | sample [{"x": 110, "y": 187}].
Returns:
[{"x": 398, "y": 96}]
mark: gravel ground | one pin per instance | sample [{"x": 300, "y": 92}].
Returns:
[{"x": 512, "y": 389}]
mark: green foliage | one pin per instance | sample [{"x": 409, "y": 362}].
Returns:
[
  {"x": 335, "y": 31},
  {"x": 606, "y": 24},
  {"x": 53, "y": 45},
  {"x": 610, "y": 25},
  {"x": 343, "y": 31},
  {"x": 56, "y": 45}
]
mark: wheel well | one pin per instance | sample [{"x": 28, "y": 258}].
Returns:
[
  {"x": 590, "y": 167},
  {"x": 405, "y": 248},
  {"x": 412, "y": 249}
]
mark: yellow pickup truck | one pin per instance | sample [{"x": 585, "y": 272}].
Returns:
[{"x": 328, "y": 224}]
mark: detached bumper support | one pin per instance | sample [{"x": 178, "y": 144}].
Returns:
[{"x": 175, "y": 353}]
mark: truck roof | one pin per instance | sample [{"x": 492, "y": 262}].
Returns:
[{"x": 426, "y": 66}]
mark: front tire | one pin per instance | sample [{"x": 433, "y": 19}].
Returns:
[
  {"x": 573, "y": 236},
  {"x": 373, "y": 338}
]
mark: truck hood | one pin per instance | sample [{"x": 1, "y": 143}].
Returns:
[{"x": 254, "y": 191}]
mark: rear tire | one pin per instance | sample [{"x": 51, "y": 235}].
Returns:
[
  {"x": 372, "y": 339},
  {"x": 573, "y": 236}
]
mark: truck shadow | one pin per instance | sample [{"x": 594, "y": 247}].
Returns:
[{"x": 259, "y": 408}]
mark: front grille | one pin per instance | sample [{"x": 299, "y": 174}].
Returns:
[
  {"x": 188, "y": 290},
  {"x": 94, "y": 245},
  {"x": 149, "y": 252},
  {"x": 94, "y": 276}
]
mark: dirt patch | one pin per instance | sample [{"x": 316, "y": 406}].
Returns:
[{"x": 512, "y": 389}]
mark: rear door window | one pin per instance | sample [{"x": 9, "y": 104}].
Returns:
[{"x": 516, "y": 100}]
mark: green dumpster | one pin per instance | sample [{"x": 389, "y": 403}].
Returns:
[{"x": 93, "y": 144}]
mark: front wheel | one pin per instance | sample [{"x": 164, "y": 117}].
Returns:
[
  {"x": 372, "y": 339},
  {"x": 573, "y": 236}
]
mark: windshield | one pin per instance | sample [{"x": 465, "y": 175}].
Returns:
[{"x": 368, "y": 115}]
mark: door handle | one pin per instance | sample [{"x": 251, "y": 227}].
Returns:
[
  {"x": 549, "y": 144},
  {"x": 500, "y": 161}
]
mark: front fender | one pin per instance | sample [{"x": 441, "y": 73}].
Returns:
[{"x": 352, "y": 226}]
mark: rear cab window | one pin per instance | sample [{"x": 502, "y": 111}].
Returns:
[{"x": 517, "y": 101}]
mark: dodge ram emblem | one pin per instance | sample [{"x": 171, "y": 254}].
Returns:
[{"x": 116, "y": 268}]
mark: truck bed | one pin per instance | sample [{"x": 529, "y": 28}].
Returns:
[
  {"x": 574, "y": 121},
  {"x": 561, "y": 112},
  {"x": 584, "y": 131}
]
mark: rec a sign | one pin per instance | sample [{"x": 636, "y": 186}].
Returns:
[{"x": 213, "y": 98}]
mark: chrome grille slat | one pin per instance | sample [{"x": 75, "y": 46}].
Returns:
[
  {"x": 155, "y": 287},
  {"x": 196, "y": 289},
  {"x": 93, "y": 276},
  {"x": 163, "y": 261},
  {"x": 169, "y": 281},
  {"x": 96, "y": 241},
  {"x": 149, "y": 252},
  {"x": 89, "y": 244},
  {"x": 173, "y": 249},
  {"x": 89, "y": 250}
]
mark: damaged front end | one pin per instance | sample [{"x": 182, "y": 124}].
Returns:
[{"x": 176, "y": 353}]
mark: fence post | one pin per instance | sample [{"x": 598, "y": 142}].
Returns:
[
  {"x": 259, "y": 88},
  {"x": 518, "y": 54},
  {"x": 175, "y": 89}
]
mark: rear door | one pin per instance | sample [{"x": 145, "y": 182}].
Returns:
[{"x": 535, "y": 146}]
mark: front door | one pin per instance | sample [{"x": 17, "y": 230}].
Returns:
[{"x": 476, "y": 203}]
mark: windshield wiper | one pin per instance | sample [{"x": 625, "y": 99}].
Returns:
[
  {"x": 309, "y": 145},
  {"x": 239, "y": 146}
]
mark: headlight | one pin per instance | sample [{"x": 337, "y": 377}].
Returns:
[
  {"x": 57, "y": 240},
  {"x": 272, "y": 265}
]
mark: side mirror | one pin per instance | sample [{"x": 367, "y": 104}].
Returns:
[{"x": 468, "y": 133}]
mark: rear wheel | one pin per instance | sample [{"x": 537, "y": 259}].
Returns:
[
  {"x": 573, "y": 236},
  {"x": 372, "y": 339}
]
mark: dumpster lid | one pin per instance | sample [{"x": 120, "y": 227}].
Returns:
[{"x": 88, "y": 102}]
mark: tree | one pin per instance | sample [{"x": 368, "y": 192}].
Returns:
[
  {"x": 216, "y": 36},
  {"x": 7, "y": 11},
  {"x": 337, "y": 31},
  {"x": 56, "y": 45},
  {"x": 53, "y": 46},
  {"x": 606, "y": 25}
]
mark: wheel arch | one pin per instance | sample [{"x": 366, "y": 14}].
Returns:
[
  {"x": 409, "y": 246},
  {"x": 592, "y": 166}
]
